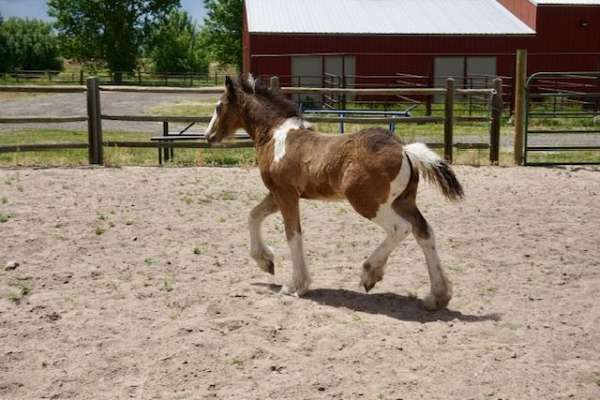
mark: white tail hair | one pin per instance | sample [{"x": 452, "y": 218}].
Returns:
[{"x": 434, "y": 169}]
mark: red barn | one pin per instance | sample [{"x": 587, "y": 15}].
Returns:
[{"x": 304, "y": 40}]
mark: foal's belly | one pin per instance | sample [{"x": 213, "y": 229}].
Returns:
[
  {"x": 333, "y": 198},
  {"x": 321, "y": 192}
]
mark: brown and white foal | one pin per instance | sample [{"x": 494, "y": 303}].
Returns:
[{"x": 372, "y": 169}]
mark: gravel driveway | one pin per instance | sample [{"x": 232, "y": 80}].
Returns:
[{"x": 75, "y": 104}]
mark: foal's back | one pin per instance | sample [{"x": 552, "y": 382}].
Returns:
[{"x": 332, "y": 167}]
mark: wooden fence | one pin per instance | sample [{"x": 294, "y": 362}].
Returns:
[
  {"x": 95, "y": 117},
  {"x": 131, "y": 77}
]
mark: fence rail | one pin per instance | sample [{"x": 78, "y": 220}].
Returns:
[
  {"x": 95, "y": 144},
  {"x": 38, "y": 120},
  {"x": 129, "y": 77},
  {"x": 161, "y": 89},
  {"x": 42, "y": 89}
]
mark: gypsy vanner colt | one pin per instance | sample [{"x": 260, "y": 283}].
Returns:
[{"x": 372, "y": 169}]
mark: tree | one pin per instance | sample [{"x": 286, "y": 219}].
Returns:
[
  {"x": 4, "y": 65},
  {"x": 176, "y": 45},
  {"x": 113, "y": 31},
  {"x": 223, "y": 30},
  {"x": 29, "y": 44}
]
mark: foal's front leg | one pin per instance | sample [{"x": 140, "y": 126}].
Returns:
[
  {"x": 259, "y": 251},
  {"x": 289, "y": 205}
]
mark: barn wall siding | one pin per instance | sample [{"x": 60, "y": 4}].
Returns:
[{"x": 560, "y": 29}]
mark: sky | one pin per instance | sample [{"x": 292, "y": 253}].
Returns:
[{"x": 38, "y": 8}]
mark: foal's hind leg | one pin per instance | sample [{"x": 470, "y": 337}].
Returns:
[
  {"x": 441, "y": 289},
  {"x": 260, "y": 252},
  {"x": 290, "y": 210},
  {"x": 397, "y": 228}
]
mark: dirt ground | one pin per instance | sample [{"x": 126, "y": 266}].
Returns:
[{"x": 136, "y": 283}]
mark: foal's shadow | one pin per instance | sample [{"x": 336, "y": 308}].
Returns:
[{"x": 390, "y": 304}]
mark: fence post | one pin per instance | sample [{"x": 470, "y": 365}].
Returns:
[
  {"x": 449, "y": 120},
  {"x": 429, "y": 99},
  {"x": 81, "y": 76},
  {"x": 274, "y": 84},
  {"x": 520, "y": 81},
  {"x": 497, "y": 107},
  {"x": 95, "y": 150}
]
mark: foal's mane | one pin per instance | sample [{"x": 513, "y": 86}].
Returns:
[{"x": 275, "y": 100}]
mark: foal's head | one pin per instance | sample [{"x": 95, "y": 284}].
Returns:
[
  {"x": 247, "y": 102},
  {"x": 226, "y": 118}
]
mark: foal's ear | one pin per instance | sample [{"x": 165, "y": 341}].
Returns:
[{"x": 230, "y": 87}]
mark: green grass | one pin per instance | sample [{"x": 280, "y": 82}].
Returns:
[
  {"x": 114, "y": 157},
  {"x": 23, "y": 289},
  {"x": 4, "y": 218},
  {"x": 564, "y": 157}
]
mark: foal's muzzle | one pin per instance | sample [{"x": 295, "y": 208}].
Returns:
[{"x": 211, "y": 137}]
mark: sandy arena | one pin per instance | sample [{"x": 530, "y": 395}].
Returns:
[{"x": 136, "y": 283}]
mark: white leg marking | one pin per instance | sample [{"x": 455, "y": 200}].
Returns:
[
  {"x": 401, "y": 229},
  {"x": 395, "y": 226},
  {"x": 300, "y": 275},
  {"x": 259, "y": 251},
  {"x": 280, "y": 136},
  {"x": 441, "y": 290}
]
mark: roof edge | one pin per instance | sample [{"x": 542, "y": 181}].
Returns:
[{"x": 533, "y": 33}]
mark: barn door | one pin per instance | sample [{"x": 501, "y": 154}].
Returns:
[
  {"x": 449, "y": 67},
  {"x": 340, "y": 71},
  {"x": 307, "y": 71},
  {"x": 481, "y": 71}
]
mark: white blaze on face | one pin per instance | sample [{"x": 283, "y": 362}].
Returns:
[
  {"x": 213, "y": 121},
  {"x": 280, "y": 135}
]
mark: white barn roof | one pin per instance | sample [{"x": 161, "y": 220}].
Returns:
[{"x": 389, "y": 17}]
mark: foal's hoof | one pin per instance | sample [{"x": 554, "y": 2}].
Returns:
[
  {"x": 368, "y": 286},
  {"x": 270, "y": 267},
  {"x": 267, "y": 266},
  {"x": 433, "y": 303},
  {"x": 295, "y": 290}
]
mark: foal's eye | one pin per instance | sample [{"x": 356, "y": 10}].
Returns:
[{"x": 219, "y": 108}]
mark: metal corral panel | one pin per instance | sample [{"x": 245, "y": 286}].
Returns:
[{"x": 391, "y": 17}]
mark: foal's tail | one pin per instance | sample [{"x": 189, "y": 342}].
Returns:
[{"x": 435, "y": 170}]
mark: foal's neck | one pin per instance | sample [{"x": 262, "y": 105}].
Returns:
[{"x": 259, "y": 120}]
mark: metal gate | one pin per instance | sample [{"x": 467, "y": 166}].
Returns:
[{"x": 562, "y": 119}]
